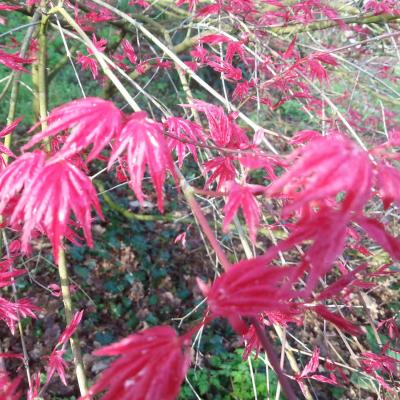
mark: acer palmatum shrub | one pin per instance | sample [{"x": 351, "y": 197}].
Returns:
[{"x": 224, "y": 130}]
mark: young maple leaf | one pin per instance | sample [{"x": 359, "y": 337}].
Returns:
[
  {"x": 388, "y": 183},
  {"x": 209, "y": 10},
  {"x": 151, "y": 365},
  {"x": 243, "y": 196},
  {"x": 129, "y": 51},
  {"x": 229, "y": 71},
  {"x": 14, "y": 61},
  {"x": 327, "y": 231},
  {"x": 144, "y": 141},
  {"x": 11, "y": 312},
  {"x": 8, "y": 387},
  {"x": 56, "y": 363},
  {"x": 10, "y": 127},
  {"x": 249, "y": 288},
  {"x": 88, "y": 62},
  {"x": 326, "y": 167},
  {"x": 223, "y": 131},
  {"x": 309, "y": 372},
  {"x": 185, "y": 134},
  {"x": 215, "y": 38},
  {"x": 71, "y": 328},
  {"x": 91, "y": 121},
  {"x": 17, "y": 175},
  {"x": 337, "y": 320},
  {"x": 33, "y": 392},
  {"x": 7, "y": 7},
  {"x": 224, "y": 171},
  {"x": 57, "y": 188},
  {"x": 7, "y": 273},
  {"x": 376, "y": 231}
]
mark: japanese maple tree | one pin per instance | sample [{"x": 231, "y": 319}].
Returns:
[{"x": 300, "y": 205}]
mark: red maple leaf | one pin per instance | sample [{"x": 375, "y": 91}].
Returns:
[
  {"x": 243, "y": 196},
  {"x": 249, "y": 288},
  {"x": 144, "y": 141},
  {"x": 71, "y": 328},
  {"x": 56, "y": 189},
  {"x": 91, "y": 121},
  {"x": 151, "y": 365},
  {"x": 8, "y": 387},
  {"x": 14, "y": 61},
  {"x": 56, "y": 363},
  {"x": 223, "y": 131},
  {"x": 223, "y": 170},
  {"x": 338, "y": 320},
  {"x": 184, "y": 135},
  {"x": 129, "y": 51},
  {"x": 325, "y": 167},
  {"x": 17, "y": 175},
  {"x": 7, "y": 273},
  {"x": 11, "y": 312}
]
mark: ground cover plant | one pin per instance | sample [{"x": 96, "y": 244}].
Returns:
[{"x": 199, "y": 199}]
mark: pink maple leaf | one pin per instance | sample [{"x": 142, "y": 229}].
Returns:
[
  {"x": 100, "y": 45},
  {"x": 209, "y": 10},
  {"x": 56, "y": 189},
  {"x": 88, "y": 63},
  {"x": 151, "y": 365},
  {"x": 215, "y": 38},
  {"x": 92, "y": 121},
  {"x": 7, "y": 273},
  {"x": 304, "y": 136},
  {"x": 388, "y": 183},
  {"x": 223, "y": 131},
  {"x": 56, "y": 363},
  {"x": 325, "y": 167},
  {"x": 223, "y": 170},
  {"x": 8, "y": 387},
  {"x": 14, "y": 61},
  {"x": 7, "y": 7},
  {"x": 71, "y": 328},
  {"x": 140, "y": 3},
  {"x": 249, "y": 288},
  {"x": 11, "y": 312},
  {"x": 144, "y": 141},
  {"x": 338, "y": 320},
  {"x": 129, "y": 51},
  {"x": 17, "y": 175},
  {"x": 376, "y": 231},
  {"x": 243, "y": 196},
  {"x": 185, "y": 135},
  {"x": 229, "y": 71},
  {"x": 242, "y": 90}
]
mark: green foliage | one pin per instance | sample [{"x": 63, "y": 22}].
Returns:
[{"x": 226, "y": 376}]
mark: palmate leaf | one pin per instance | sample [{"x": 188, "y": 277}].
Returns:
[
  {"x": 9, "y": 388},
  {"x": 151, "y": 365},
  {"x": 52, "y": 193},
  {"x": 17, "y": 175},
  {"x": 92, "y": 121},
  {"x": 324, "y": 168},
  {"x": 14, "y": 61},
  {"x": 243, "y": 197},
  {"x": 11, "y": 312},
  {"x": 249, "y": 288},
  {"x": 184, "y": 135},
  {"x": 143, "y": 140}
]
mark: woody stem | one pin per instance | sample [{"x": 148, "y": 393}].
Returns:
[
  {"x": 75, "y": 346},
  {"x": 42, "y": 87}
]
